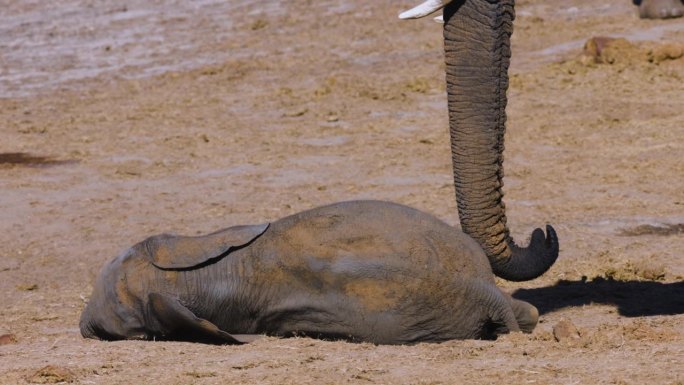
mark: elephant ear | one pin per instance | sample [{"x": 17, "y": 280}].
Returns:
[
  {"x": 177, "y": 322},
  {"x": 172, "y": 252}
]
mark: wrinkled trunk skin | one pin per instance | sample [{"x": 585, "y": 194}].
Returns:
[{"x": 477, "y": 47}]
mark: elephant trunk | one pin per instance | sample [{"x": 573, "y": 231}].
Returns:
[{"x": 477, "y": 47}]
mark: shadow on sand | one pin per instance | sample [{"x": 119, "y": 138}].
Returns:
[
  {"x": 632, "y": 298},
  {"x": 29, "y": 160}
]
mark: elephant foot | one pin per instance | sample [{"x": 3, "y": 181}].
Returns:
[
  {"x": 661, "y": 9},
  {"x": 526, "y": 315}
]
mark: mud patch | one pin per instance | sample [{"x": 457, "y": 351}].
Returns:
[
  {"x": 641, "y": 270},
  {"x": 51, "y": 375},
  {"x": 663, "y": 230},
  {"x": 610, "y": 50},
  {"x": 10, "y": 159}
]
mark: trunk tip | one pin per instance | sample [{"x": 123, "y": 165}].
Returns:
[{"x": 527, "y": 263}]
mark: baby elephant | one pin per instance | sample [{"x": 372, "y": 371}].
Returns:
[{"x": 368, "y": 271}]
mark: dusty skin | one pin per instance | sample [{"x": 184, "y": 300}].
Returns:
[{"x": 306, "y": 103}]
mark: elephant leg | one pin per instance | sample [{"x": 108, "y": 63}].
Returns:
[
  {"x": 526, "y": 315},
  {"x": 661, "y": 9}
]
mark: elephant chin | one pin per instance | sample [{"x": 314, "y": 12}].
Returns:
[
  {"x": 477, "y": 52},
  {"x": 87, "y": 330}
]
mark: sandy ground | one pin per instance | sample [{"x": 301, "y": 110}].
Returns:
[{"x": 122, "y": 122}]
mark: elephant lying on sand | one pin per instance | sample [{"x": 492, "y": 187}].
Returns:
[{"x": 361, "y": 271}]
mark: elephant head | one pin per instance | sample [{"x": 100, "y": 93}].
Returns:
[
  {"x": 477, "y": 48},
  {"x": 136, "y": 294}
]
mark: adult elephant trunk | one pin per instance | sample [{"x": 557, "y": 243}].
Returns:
[{"x": 477, "y": 45}]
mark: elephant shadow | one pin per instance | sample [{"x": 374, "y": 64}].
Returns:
[{"x": 632, "y": 298}]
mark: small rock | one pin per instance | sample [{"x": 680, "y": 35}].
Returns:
[
  {"x": 258, "y": 24},
  {"x": 565, "y": 330},
  {"x": 665, "y": 52},
  {"x": 595, "y": 46},
  {"x": 7, "y": 339},
  {"x": 27, "y": 287},
  {"x": 131, "y": 168},
  {"x": 610, "y": 50},
  {"x": 296, "y": 113}
]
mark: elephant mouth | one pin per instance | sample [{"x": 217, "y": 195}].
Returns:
[
  {"x": 97, "y": 332},
  {"x": 97, "y": 324},
  {"x": 93, "y": 331}
]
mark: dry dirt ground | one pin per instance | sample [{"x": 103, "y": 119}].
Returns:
[{"x": 166, "y": 119}]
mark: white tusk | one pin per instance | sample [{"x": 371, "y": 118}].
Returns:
[
  {"x": 439, "y": 19},
  {"x": 424, "y": 9}
]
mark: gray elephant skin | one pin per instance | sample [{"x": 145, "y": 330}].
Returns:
[
  {"x": 477, "y": 46},
  {"x": 366, "y": 271},
  {"x": 660, "y": 9}
]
